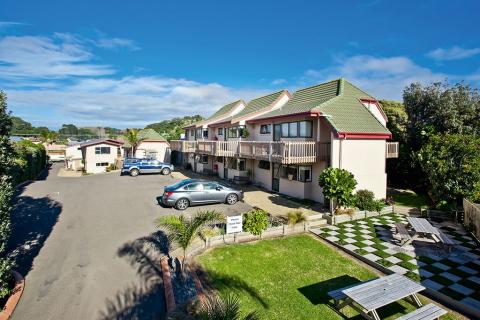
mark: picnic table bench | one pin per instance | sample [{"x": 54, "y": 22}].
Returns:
[
  {"x": 427, "y": 312},
  {"x": 445, "y": 240},
  {"x": 402, "y": 233},
  {"x": 369, "y": 296}
]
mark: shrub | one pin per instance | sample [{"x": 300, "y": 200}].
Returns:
[
  {"x": 30, "y": 160},
  {"x": 255, "y": 221},
  {"x": 348, "y": 211},
  {"x": 364, "y": 200},
  {"x": 338, "y": 185},
  {"x": 295, "y": 217},
  {"x": 378, "y": 205}
]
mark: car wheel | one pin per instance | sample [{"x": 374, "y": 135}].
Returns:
[
  {"x": 166, "y": 171},
  {"x": 134, "y": 172},
  {"x": 182, "y": 204},
  {"x": 232, "y": 198}
]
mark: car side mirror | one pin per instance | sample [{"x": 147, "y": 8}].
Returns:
[{"x": 218, "y": 188}]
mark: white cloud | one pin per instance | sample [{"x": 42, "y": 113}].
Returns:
[
  {"x": 383, "y": 77},
  {"x": 113, "y": 43},
  {"x": 40, "y": 57},
  {"x": 454, "y": 53},
  {"x": 129, "y": 101},
  {"x": 277, "y": 82},
  {"x": 7, "y": 24}
]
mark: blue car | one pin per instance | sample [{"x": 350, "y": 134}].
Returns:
[{"x": 135, "y": 166}]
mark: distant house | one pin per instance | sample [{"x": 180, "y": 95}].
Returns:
[
  {"x": 153, "y": 146},
  {"x": 73, "y": 156},
  {"x": 55, "y": 152},
  {"x": 96, "y": 155}
]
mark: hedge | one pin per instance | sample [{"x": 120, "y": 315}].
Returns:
[{"x": 30, "y": 160}]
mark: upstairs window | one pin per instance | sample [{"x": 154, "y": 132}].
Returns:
[
  {"x": 265, "y": 129},
  {"x": 102, "y": 150},
  {"x": 299, "y": 129},
  {"x": 305, "y": 129}
]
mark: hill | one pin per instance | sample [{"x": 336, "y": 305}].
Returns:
[{"x": 171, "y": 129}]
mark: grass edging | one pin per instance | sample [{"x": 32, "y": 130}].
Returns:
[{"x": 430, "y": 293}]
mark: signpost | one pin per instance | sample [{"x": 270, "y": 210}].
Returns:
[{"x": 234, "y": 224}]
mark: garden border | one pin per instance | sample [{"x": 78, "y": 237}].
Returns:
[
  {"x": 432, "y": 294},
  {"x": 14, "y": 298}
]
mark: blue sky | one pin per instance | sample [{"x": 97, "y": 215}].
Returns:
[{"x": 113, "y": 63}]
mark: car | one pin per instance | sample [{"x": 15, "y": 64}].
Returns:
[
  {"x": 189, "y": 192},
  {"x": 135, "y": 166}
]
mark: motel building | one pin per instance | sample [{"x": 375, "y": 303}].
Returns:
[{"x": 282, "y": 142}]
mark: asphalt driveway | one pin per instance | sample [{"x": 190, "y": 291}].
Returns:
[{"x": 89, "y": 247}]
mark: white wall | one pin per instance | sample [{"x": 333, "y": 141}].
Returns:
[
  {"x": 264, "y": 177},
  {"x": 161, "y": 147},
  {"x": 365, "y": 159},
  {"x": 374, "y": 109},
  {"x": 91, "y": 159}
]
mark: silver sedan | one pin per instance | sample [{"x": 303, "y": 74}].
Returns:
[{"x": 189, "y": 192}]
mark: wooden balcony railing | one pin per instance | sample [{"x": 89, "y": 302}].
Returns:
[
  {"x": 286, "y": 152},
  {"x": 391, "y": 150}
]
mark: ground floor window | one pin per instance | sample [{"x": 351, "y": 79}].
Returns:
[
  {"x": 262, "y": 164},
  {"x": 296, "y": 173},
  {"x": 237, "y": 164},
  {"x": 219, "y": 159},
  {"x": 102, "y": 164},
  {"x": 204, "y": 158}
]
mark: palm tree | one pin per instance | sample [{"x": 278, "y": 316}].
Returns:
[
  {"x": 227, "y": 308},
  {"x": 184, "y": 231},
  {"x": 134, "y": 139}
]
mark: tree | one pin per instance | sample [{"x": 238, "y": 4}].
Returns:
[
  {"x": 184, "y": 231},
  {"x": 397, "y": 119},
  {"x": 451, "y": 163},
  {"x": 134, "y": 139},
  {"x": 172, "y": 129},
  {"x": 21, "y": 126},
  {"x": 68, "y": 129},
  {"x": 215, "y": 307},
  {"x": 338, "y": 185},
  {"x": 48, "y": 137},
  {"x": 6, "y": 192}
]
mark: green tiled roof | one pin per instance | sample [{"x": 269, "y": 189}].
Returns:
[
  {"x": 147, "y": 134},
  {"x": 259, "y": 104},
  {"x": 339, "y": 102},
  {"x": 226, "y": 109}
]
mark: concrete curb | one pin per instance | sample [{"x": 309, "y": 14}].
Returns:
[
  {"x": 14, "y": 298},
  {"x": 430, "y": 293}
]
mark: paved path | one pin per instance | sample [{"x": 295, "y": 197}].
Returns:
[{"x": 89, "y": 247}]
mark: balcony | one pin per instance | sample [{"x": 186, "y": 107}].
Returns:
[
  {"x": 286, "y": 152},
  {"x": 391, "y": 150}
]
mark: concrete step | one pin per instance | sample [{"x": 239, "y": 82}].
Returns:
[{"x": 317, "y": 222}]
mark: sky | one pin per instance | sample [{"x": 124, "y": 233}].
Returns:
[{"x": 131, "y": 63}]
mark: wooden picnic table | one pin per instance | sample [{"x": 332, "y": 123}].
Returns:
[
  {"x": 367, "y": 297},
  {"x": 422, "y": 229}
]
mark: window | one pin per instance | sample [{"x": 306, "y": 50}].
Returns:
[
  {"x": 194, "y": 187},
  {"x": 265, "y": 129},
  {"x": 210, "y": 186},
  {"x": 220, "y": 132},
  {"x": 186, "y": 133},
  {"x": 198, "y": 133},
  {"x": 305, "y": 173},
  {"x": 192, "y": 133},
  {"x": 237, "y": 164},
  {"x": 219, "y": 159},
  {"x": 204, "y": 158},
  {"x": 305, "y": 128},
  {"x": 285, "y": 130},
  {"x": 262, "y": 164},
  {"x": 102, "y": 150},
  {"x": 293, "y": 129},
  {"x": 289, "y": 171},
  {"x": 205, "y": 133},
  {"x": 102, "y": 164}
]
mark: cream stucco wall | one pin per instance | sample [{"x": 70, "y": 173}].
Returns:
[
  {"x": 262, "y": 176},
  {"x": 162, "y": 149},
  {"x": 91, "y": 159},
  {"x": 365, "y": 159}
]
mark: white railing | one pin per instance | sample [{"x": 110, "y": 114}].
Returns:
[
  {"x": 391, "y": 150},
  {"x": 286, "y": 152}
]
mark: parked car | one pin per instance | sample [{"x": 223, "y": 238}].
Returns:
[
  {"x": 135, "y": 166},
  {"x": 192, "y": 191}
]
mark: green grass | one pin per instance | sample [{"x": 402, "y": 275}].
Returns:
[
  {"x": 414, "y": 276},
  {"x": 287, "y": 278},
  {"x": 403, "y": 256},
  {"x": 381, "y": 254},
  {"x": 410, "y": 199},
  {"x": 407, "y": 265}
]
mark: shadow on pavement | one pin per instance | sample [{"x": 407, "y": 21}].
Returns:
[
  {"x": 32, "y": 221},
  {"x": 144, "y": 301}
]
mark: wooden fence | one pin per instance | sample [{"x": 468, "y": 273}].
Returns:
[{"x": 472, "y": 217}]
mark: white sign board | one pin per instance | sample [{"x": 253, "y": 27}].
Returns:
[{"x": 234, "y": 224}]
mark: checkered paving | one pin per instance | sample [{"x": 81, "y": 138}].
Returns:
[{"x": 455, "y": 273}]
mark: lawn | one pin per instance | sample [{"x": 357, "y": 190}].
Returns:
[
  {"x": 409, "y": 198},
  {"x": 288, "y": 278}
]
